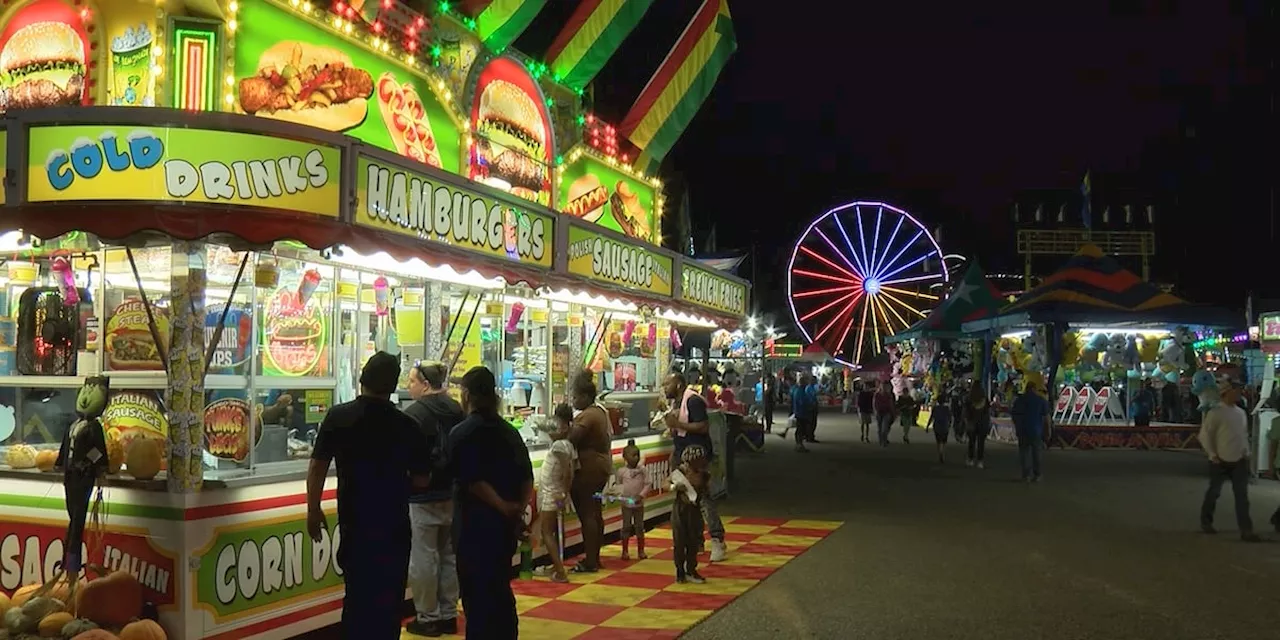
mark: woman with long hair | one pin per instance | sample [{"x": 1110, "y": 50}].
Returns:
[
  {"x": 590, "y": 435},
  {"x": 977, "y": 423}
]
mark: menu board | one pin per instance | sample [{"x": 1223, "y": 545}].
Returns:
[
  {"x": 598, "y": 193},
  {"x": 634, "y": 266}
]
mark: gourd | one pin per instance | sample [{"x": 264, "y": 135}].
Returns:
[
  {"x": 60, "y": 591},
  {"x": 21, "y": 456},
  {"x": 23, "y": 594},
  {"x": 95, "y": 634},
  {"x": 142, "y": 458},
  {"x": 51, "y": 625},
  {"x": 38, "y": 608},
  {"x": 46, "y": 459},
  {"x": 24, "y": 619},
  {"x": 111, "y": 601},
  {"x": 16, "y": 622},
  {"x": 5, "y": 604},
  {"x": 143, "y": 630},
  {"x": 77, "y": 627},
  {"x": 115, "y": 454}
]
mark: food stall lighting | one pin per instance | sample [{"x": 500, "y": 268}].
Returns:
[
  {"x": 586, "y": 299},
  {"x": 381, "y": 261},
  {"x": 307, "y": 7},
  {"x": 14, "y": 241},
  {"x": 1146, "y": 333},
  {"x": 410, "y": 60},
  {"x": 1015, "y": 335},
  {"x": 680, "y": 317},
  {"x": 234, "y": 6},
  {"x": 231, "y": 25},
  {"x": 157, "y": 70},
  {"x": 294, "y": 3},
  {"x": 444, "y": 6},
  {"x": 435, "y": 51},
  {"x": 230, "y": 80},
  {"x": 229, "y": 98},
  {"x": 157, "y": 51}
]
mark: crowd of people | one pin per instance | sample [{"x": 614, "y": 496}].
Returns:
[{"x": 434, "y": 496}]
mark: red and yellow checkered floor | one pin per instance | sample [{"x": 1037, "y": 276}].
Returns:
[{"x": 640, "y": 599}]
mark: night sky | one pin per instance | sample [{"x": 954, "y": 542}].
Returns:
[{"x": 954, "y": 110}]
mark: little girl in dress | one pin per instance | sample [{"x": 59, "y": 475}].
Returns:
[{"x": 554, "y": 479}]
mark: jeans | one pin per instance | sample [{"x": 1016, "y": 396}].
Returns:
[
  {"x": 768, "y": 416},
  {"x": 804, "y": 428},
  {"x": 1238, "y": 473},
  {"x": 1029, "y": 454},
  {"x": 711, "y": 516},
  {"x": 977, "y": 446},
  {"x": 884, "y": 422},
  {"x": 433, "y": 566}
]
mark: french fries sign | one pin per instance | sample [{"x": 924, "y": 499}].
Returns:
[
  {"x": 130, "y": 162},
  {"x": 705, "y": 288}
]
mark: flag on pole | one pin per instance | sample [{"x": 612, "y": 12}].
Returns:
[
  {"x": 502, "y": 21},
  {"x": 681, "y": 84},
  {"x": 593, "y": 34},
  {"x": 1086, "y": 210}
]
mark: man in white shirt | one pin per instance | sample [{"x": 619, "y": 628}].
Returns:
[{"x": 1224, "y": 434}]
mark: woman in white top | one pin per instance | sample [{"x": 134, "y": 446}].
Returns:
[{"x": 554, "y": 479}]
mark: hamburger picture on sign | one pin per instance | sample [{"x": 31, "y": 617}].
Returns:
[
  {"x": 512, "y": 145},
  {"x": 44, "y": 48}
]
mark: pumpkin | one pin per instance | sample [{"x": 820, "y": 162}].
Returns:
[
  {"x": 23, "y": 594},
  {"x": 95, "y": 634},
  {"x": 46, "y": 459},
  {"x": 111, "y": 601},
  {"x": 77, "y": 627},
  {"x": 51, "y": 625},
  {"x": 21, "y": 456},
  {"x": 142, "y": 457},
  {"x": 115, "y": 454},
  {"x": 143, "y": 630}
]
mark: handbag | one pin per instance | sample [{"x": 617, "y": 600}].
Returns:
[{"x": 792, "y": 422}]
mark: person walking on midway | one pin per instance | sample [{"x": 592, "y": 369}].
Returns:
[
  {"x": 940, "y": 420},
  {"x": 590, "y": 435},
  {"x": 977, "y": 424},
  {"x": 381, "y": 457},
  {"x": 886, "y": 409},
  {"x": 690, "y": 425},
  {"x": 767, "y": 402},
  {"x": 1224, "y": 434},
  {"x": 689, "y": 482},
  {"x": 1031, "y": 424},
  {"x": 866, "y": 411},
  {"x": 811, "y": 435},
  {"x": 433, "y": 566},
  {"x": 494, "y": 485},
  {"x": 804, "y": 409}
]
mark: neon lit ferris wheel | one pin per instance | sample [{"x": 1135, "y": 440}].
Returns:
[{"x": 860, "y": 273}]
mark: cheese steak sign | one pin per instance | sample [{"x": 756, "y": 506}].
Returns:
[
  {"x": 394, "y": 199},
  {"x": 706, "y": 288},
  {"x": 600, "y": 257},
  {"x": 127, "y": 162}
]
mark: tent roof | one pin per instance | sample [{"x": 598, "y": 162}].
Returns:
[
  {"x": 1092, "y": 287},
  {"x": 974, "y": 298}
]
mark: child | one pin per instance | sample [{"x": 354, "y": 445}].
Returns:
[
  {"x": 940, "y": 420},
  {"x": 688, "y": 482},
  {"x": 554, "y": 480},
  {"x": 634, "y": 481}
]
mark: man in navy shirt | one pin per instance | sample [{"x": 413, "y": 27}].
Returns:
[{"x": 1031, "y": 424}]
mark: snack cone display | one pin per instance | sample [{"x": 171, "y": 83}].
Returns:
[
  {"x": 653, "y": 334},
  {"x": 676, "y": 342},
  {"x": 66, "y": 281},
  {"x": 307, "y": 287},
  {"x": 628, "y": 330},
  {"x": 381, "y": 296},
  {"x": 513, "y": 320}
]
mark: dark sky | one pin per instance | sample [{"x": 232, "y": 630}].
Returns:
[{"x": 951, "y": 110}]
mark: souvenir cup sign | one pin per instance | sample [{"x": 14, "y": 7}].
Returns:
[
  {"x": 1269, "y": 332},
  {"x": 1099, "y": 402},
  {"x": 1082, "y": 401},
  {"x": 76, "y": 163},
  {"x": 1064, "y": 399}
]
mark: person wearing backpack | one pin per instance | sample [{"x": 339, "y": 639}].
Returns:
[{"x": 433, "y": 565}]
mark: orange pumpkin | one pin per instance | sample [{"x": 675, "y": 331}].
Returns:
[
  {"x": 23, "y": 594},
  {"x": 96, "y": 634},
  {"x": 115, "y": 454},
  {"x": 52, "y": 624},
  {"x": 111, "y": 601},
  {"x": 143, "y": 630},
  {"x": 46, "y": 459},
  {"x": 143, "y": 457}
]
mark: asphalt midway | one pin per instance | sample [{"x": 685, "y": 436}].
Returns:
[{"x": 1107, "y": 546}]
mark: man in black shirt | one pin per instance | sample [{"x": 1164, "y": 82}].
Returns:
[
  {"x": 381, "y": 456},
  {"x": 433, "y": 565},
  {"x": 866, "y": 410},
  {"x": 494, "y": 484},
  {"x": 690, "y": 425}
]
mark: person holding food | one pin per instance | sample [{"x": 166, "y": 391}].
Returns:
[
  {"x": 591, "y": 437},
  {"x": 690, "y": 425}
]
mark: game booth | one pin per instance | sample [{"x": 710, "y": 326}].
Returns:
[
  {"x": 1103, "y": 336},
  {"x": 214, "y": 213}
]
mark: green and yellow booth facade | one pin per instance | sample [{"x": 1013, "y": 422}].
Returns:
[{"x": 175, "y": 221}]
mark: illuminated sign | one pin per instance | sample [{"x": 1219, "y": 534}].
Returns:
[
  {"x": 598, "y": 193},
  {"x": 706, "y": 288},
  {"x": 394, "y": 199},
  {"x": 599, "y": 257},
  {"x": 128, "y": 162}
]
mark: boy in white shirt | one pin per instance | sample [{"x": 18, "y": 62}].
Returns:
[{"x": 1224, "y": 435}]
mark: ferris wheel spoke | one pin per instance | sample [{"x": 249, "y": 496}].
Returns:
[
  {"x": 832, "y": 322},
  {"x": 931, "y": 276},
  {"x": 889, "y": 245},
  {"x": 862, "y": 237},
  {"x": 875, "y": 241},
  {"x": 819, "y": 292},
  {"x": 905, "y": 292},
  {"x": 904, "y": 305},
  {"x": 862, "y": 331},
  {"x": 840, "y": 253},
  {"x": 897, "y": 315},
  {"x": 908, "y": 265},
  {"x": 888, "y": 264},
  {"x": 849, "y": 243},
  {"x": 814, "y": 254},
  {"x": 825, "y": 276},
  {"x": 875, "y": 323},
  {"x": 828, "y": 305},
  {"x": 845, "y": 334}
]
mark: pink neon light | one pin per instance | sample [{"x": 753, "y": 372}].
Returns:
[
  {"x": 823, "y": 276},
  {"x": 831, "y": 264},
  {"x": 846, "y": 309},
  {"x": 840, "y": 253},
  {"x": 818, "y": 292},
  {"x": 828, "y": 305}
]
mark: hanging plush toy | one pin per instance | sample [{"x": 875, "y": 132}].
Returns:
[
  {"x": 1034, "y": 345},
  {"x": 83, "y": 460},
  {"x": 1186, "y": 339},
  {"x": 1205, "y": 387},
  {"x": 1173, "y": 358},
  {"x": 1089, "y": 357},
  {"x": 1070, "y": 349},
  {"x": 1113, "y": 357},
  {"x": 1148, "y": 349}
]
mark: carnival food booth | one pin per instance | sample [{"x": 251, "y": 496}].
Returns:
[
  {"x": 1101, "y": 335},
  {"x": 225, "y": 208}
]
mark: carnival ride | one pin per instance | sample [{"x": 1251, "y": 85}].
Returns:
[{"x": 853, "y": 281}]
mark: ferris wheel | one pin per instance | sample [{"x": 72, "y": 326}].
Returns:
[{"x": 860, "y": 273}]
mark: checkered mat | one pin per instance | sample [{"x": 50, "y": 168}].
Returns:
[{"x": 640, "y": 599}]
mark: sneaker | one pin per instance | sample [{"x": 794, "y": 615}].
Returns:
[
  {"x": 681, "y": 579},
  {"x": 424, "y": 628},
  {"x": 448, "y": 626},
  {"x": 696, "y": 578},
  {"x": 968, "y": 462},
  {"x": 1250, "y": 537},
  {"x": 800, "y": 448},
  {"x": 1208, "y": 528},
  {"x": 981, "y": 465},
  {"x": 717, "y": 551},
  {"x": 559, "y": 578},
  {"x": 642, "y": 556}
]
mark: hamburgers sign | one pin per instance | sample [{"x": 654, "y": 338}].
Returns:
[{"x": 43, "y": 51}]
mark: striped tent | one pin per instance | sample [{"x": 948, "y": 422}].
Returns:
[
  {"x": 1093, "y": 288},
  {"x": 973, "y": 298}
]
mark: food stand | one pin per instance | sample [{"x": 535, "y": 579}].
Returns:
[{"x": 238, "y": 257}]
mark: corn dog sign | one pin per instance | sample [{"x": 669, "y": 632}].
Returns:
[{"x": 129, "y": 162}]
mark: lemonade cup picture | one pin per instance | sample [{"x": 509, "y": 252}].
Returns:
[{"x": 131, "y": 67}]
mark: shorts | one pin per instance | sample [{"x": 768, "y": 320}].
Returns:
[
  {"x": 866, "y": 417},
  {"x": 633, "y": 520},
  {"x": 940, "y": 434},
  {"x": 547, "y": 501}
]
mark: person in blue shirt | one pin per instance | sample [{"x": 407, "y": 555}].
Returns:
[
  {"x": 812, "y": 390},
  {"x": 804, "y": 407},
  {"x": 1031, "y": 424}
]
